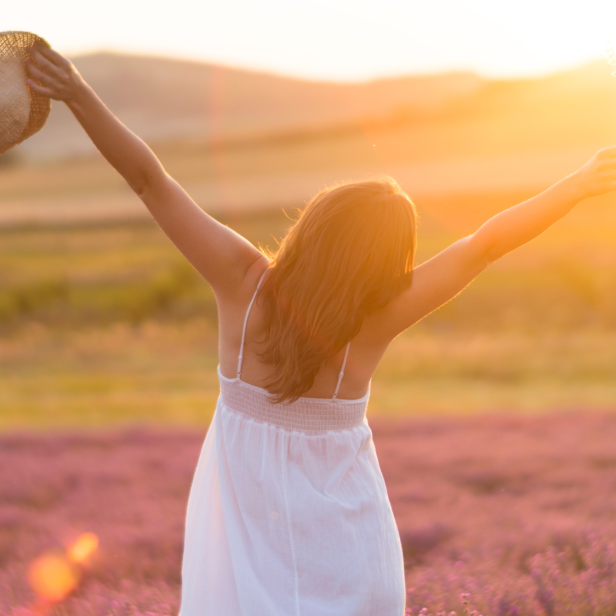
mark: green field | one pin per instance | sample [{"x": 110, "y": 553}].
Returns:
[{"x": 107, "y": 324}]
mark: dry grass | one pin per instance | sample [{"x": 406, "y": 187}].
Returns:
[
  {"x": 108, "y": 324},
  {"x": 166, "y": 373}
]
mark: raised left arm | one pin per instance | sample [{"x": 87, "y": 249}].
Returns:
[
  {"x": 520, "y": 224},
  {"x": 445, "y": 275}
]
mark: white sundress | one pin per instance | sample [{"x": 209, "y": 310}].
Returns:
[{"x": 288, "y": 513}]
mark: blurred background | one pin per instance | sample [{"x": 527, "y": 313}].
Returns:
[
  {"x": 493, "y": 417},
  {"x": 472, "y": 106}
]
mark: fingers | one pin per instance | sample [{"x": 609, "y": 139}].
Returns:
[
  {"x": 48, "y": 66},
  {"x": 51, "y": 74},
  {"x": 43, "y": 91},
  {"x": 52, "y": 56},
  {"x": 39, "y": 75}
]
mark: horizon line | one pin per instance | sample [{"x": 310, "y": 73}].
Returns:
[{"x": 486, "y": 76}]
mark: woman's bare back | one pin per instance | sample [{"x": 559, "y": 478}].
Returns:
[{"x": 365, "y": 351}]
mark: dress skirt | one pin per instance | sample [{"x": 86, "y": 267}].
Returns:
[{"x": 288, "y": 513}]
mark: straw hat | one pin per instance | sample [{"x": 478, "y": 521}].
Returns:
[{"x": 22, "y": 111}]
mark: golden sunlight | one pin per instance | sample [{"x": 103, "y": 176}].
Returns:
[{"x": 357, "y": 39}]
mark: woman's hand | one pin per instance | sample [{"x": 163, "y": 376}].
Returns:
[
  {"x": 54, "y": 76},
  {"x": 597, "y": 176}
]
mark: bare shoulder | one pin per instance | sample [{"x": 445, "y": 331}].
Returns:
[
  {"x": 370, "y": 344},
  {"x": 382, "y": 326},
  {"x": 239, "y": 294},
  {"x": 434, "y": 283}
]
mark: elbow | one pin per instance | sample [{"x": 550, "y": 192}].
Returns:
[
  {"x": 484, "y": 249},
  {"x": 139, "y": 187},
  {"x": 145, "y": 180}
]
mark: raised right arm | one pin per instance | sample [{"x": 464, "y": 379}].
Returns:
[
  {"x": 220, "y": 255},
  {"x": 444, "y": 276}
]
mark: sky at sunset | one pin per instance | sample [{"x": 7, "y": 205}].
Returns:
[{"x": 334, "y": 39}]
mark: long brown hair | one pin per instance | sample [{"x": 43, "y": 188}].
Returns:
[{"x": 349, "y": 253}]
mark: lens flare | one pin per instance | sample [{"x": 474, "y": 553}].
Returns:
[
  {"x": 52, "y": 577},
  {"x": 83, "y": 546},
  {"x": 611, "y": 56}
]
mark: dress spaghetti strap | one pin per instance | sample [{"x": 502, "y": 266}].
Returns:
[
  {"x": 346, "y": 354},
  {"x": 241, "y": 354}
]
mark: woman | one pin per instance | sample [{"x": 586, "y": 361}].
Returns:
[{"x": 288, "y": 512}]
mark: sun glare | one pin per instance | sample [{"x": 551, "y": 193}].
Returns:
[
  {"x": 52, "y": 577},
  {"x": 611, "y": 57},
  {"x": 83, "y": 547},
  {"x": 358, "y": 39}
]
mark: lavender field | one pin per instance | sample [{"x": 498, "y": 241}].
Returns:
[{"x": 517, "y": 512}]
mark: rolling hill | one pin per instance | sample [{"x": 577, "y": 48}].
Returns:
[
  {"x": 162, "y": 99},
  {"x": 240, "y": 140}
]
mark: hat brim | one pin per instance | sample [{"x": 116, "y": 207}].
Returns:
[{"x": 17, "y": 45}]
